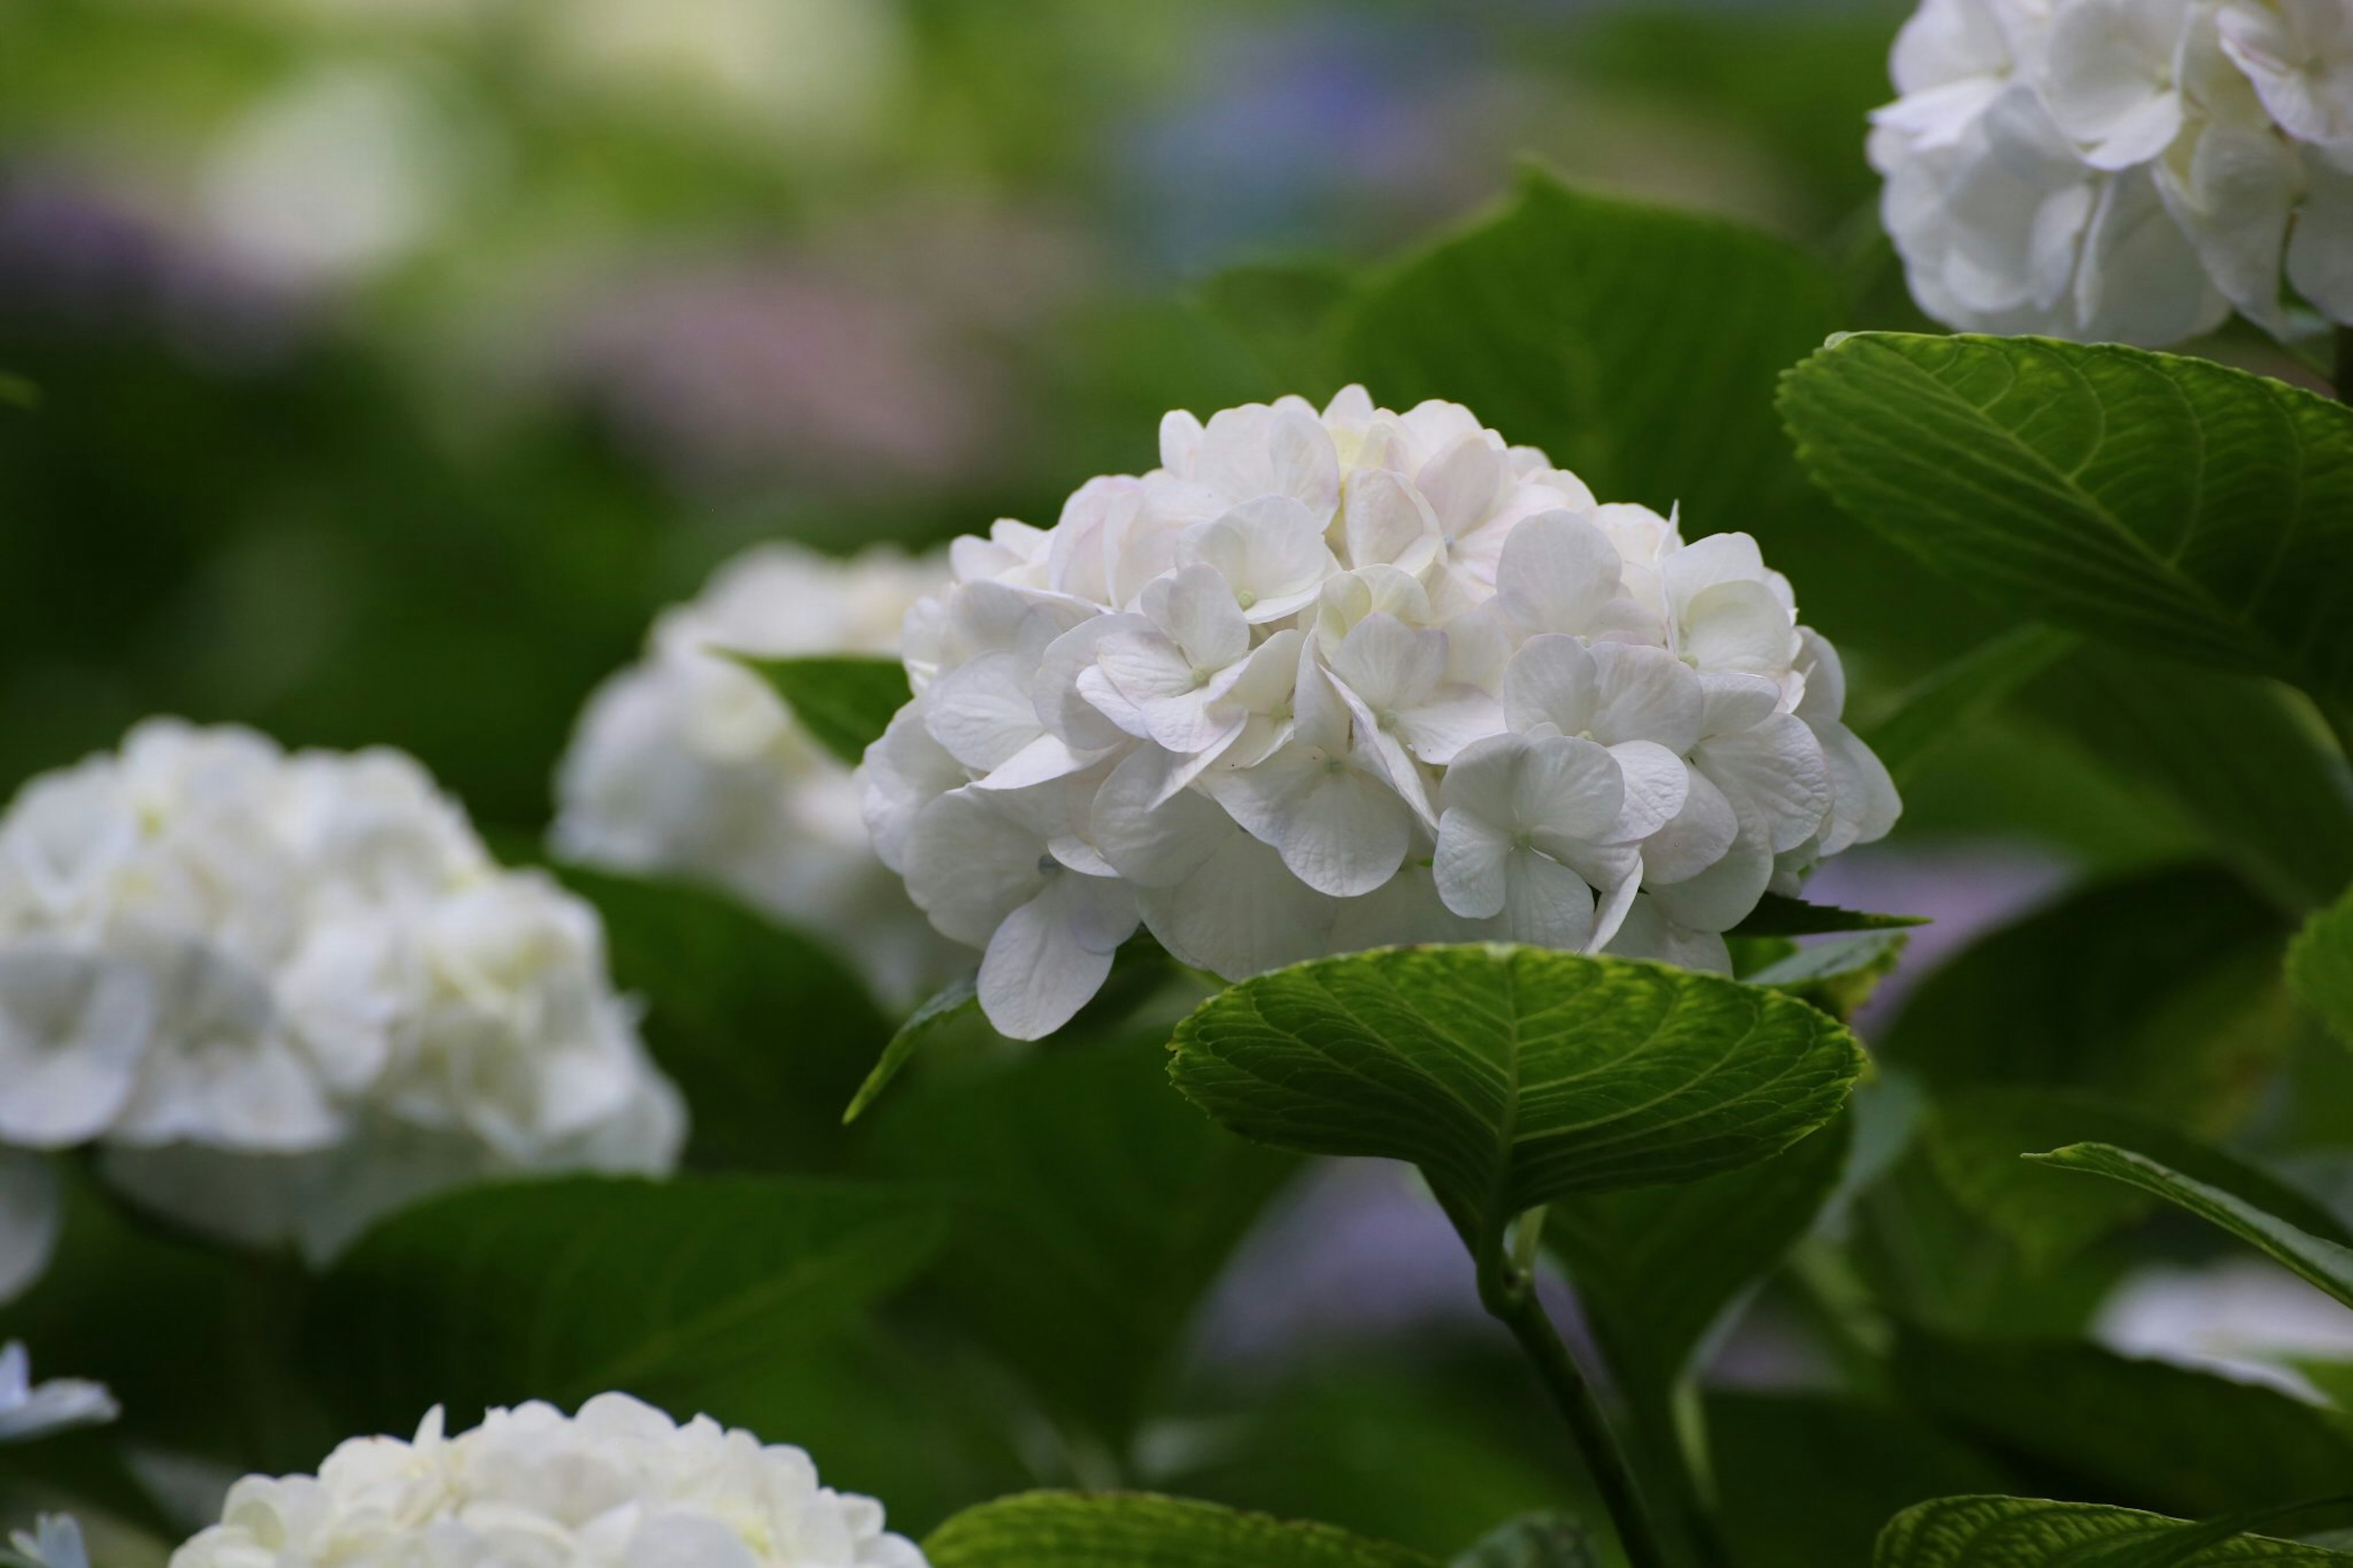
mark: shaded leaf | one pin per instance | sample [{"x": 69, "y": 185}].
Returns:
[
  {"x": 1514, "y": 1075},
  {"x": 1534, "y": 1540},
  {"x": 1136, "y": 1529},
  {"x": 2171, "y": 505},
  {"x": 2292, "y": 1229},
  {"x": 1836, "y": 976},
  {"x": 845, "y": 701},
  {"x": 764, "y": 1031},
  {"x": 1287, "y": 314},
  {"x": 1944, "y": 703},
  {"x": 1777, "y": 916},
  {"x": 957, "y": 997},
  {"x": 561, "y": 1290},
  {"x": 2080, "y": 1421},
  {"x": 2321, "y": 967},
  {"x": 1986, "y": 1531}
]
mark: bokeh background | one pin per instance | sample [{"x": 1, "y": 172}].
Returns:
[{"x": 395, "y": 361}]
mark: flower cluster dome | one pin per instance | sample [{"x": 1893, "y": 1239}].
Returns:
[
  {"x": 2121, "y": 169},
  {"x": 617, "y": 1486},
  {"x": 1322, "y": 682},
  {"x": 285, "y": 993},
  {"x": 686, "y": 763}
]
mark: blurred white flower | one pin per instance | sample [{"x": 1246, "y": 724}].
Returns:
[
  {"x": 2121, "y": 169},
  {"x": 1334, "y": 680},
  {"x": 686, "y": 763},
  {"x": 55, "y": 1542},
  {"x": 621, "y": 1484},
  {"x": 2245, "y": 1318},
  {"x": 29, "y": 1409},
  {"x": 248, "y": 976}
]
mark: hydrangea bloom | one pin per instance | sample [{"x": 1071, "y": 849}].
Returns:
[
  {"x": 54, "y": 1541},
  {"x": 283, "y": 993},
  {"x": 687, "y": 763},
  {"x": 2121, "y": 169},
  {"x": 1328, "y": 681},
  {"x": 618, "y": 1484},
  {"x": 29, "y": 1409}
]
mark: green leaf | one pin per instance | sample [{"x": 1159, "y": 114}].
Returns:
[
  {"x": 1777, "y": 916},
  {"x": 2321, "y": 967},
  {"x": 1772, "y": 1453},
  {"x": 2079, "y": 1421},
  {"x": 2158, "y": 991},
  {"x": 1983, "y": 1531},
  {"x": 1836, "y": 976},
  {"x": 765, "y": 1032},
  {"x": 1094, "y": 1210},
  {"x": 1534, "y": 1540},
  {"x": 845, "y": 701},
  {"x": 1946, "y": 702},
  {"x": 2171, "y": 505},
  {"x": 1286, "y": 314},
  {"x": 1136, "y": 1529},
  {"x": 561, "y": 1290},
  {"x": 1515, "y": 1076},
  {"x": 1654, "y": 1268},
  {"x": 1982, "y": 1142},
  {"x": 958, "y": 995},
  {"x": 2314, "y": 1244}
]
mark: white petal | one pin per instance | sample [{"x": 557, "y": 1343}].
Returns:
[
  {"x": 1469, "y": 864},
  {"x": 1155, "y": 842},
  {"x": 1738, "y": 626},
  {"x": 1777, "y": 769},
  {"x": 1450, "y": 717},
  {"x": 1196, "y": 608},
  {"x": 30, "y": 1208},
  {"x": 1346, "y": 834},
  {"x": 1389, "y": 664},
  {"x": 1558, "y": 573},
  {"x": 2108, "y": 78},
  {"x": 2141, "y": 280},
  {"x": 1055, "y": 691},
  {"x": 1731, "y": 701},
  {"x": 1483, "y": 780},
  {"x": 1644, "y": 694},
  {"x": 1695, "y": 837},
  {"x": 970, "y": 863},
  {"x": 1272, "y": 552},
  {"x": 74, "y": 1028},
  {"x": 1547, "y": 904},
  {"x": 1180, "y": 442},
  {"x": 1568, "y": 788},
  {"x": 1657, "y": 783},
  {"x": 981, "y": 711},
  {"x": 1863, "y": 802},
  {"x": 1240, "y": 913},
  {"x": 1388, "y": 522},
  {"x": 2299, "y": 55},
  {"x": 1461, "y": 482},
  {"x": 1553, "y": 680},
  {"x": 1042, "y": 760},
  {"x": 2320, "y": 252},
  {"x": 1049, "y": 956},
  {"x": 1721, "y": 895},
  {"x": 1649, "y": 933}
]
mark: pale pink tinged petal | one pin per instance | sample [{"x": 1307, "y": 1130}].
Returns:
[
  {"x": 1568, "y": 788},
  {"x": 1195, "y": 607},
  {"x": 1556, "y": 573},
  {"x": 1388, "y": 522},
  {"x": 1469, "y": 866},
  {"x": 1777, "y": 769},
  {"x": 1152, "y": 838},
  {"x": 1645, "y": 694},
  {"x": 1720, "y": 897},
  {"x": 1348, "y": 834},
  {"x": 1484, "y": 781},
  {"x": 1547, "y": 903},
  {"x": 1737, "y": 627},
  {"x": 1180, "y": 442},
  {"x": 1078, "y": 560},
  {"x": 1450, "y": 719},
  {"x": 1731, "y": 701},
  {"x": 31, "y": 1205},
  {"x": 1553, "y": 680},
  {"x": 1305, "y": 466},
  {"x": 981, "y": 711},
  {"x": 2320, "y": 253},
  {"x": 969, "y": 865},
  {"x": 1055, "y": 691},
  {"x": 1241, "y": 913},
  {"x": 1863, "y": 800},
  {"x": 1648, "y": 933},
  {"x": 1036, "y": 974},
  {"x": 1657, "y": 784},
  {"x": 1389, "y": 664},
  {"x": 1462, "y": 481},
  {"x": 1695, "y": 837}
]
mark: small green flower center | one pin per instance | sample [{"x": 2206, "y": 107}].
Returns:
[{"x": 1246, "y": 599}]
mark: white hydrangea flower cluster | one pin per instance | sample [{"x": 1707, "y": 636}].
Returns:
[
  {"x": 1324, "y": 682},
  {"x": 618, "y": 1486},
  {"x": 2125, "y": 169},
  {"x": 285, "y": 993},
  {"x": 686, "y": 763}
]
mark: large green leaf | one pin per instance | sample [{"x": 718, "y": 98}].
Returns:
[
  {"x": 1093, "y": 1211},
  {"x": 561, "y": 1290},
  {"x": 2313, "y": 1242},
  {"x": 2159, "y": 992},
  {"x": 1286, "y": 314},
  {"x": 2172, "y": 505},
  {"x": 2321, "y": 967},
  {"x": 1944, "y": 702},
  {"x": 1514, "y": 1075},
  {"x": 2030, "y": 1532},
  {"x": 1839, "y": 976},
  {"x": 2078, "y": 1421},
  {"x": 766, "y": 1033},
  {"x": 844, "y": 701},
  {"x": 1980, "y": 1141},
  {"x": 1137, "y": 1529}
]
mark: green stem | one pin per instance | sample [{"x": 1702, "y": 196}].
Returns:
[{"x": 1509, "y": 1292}]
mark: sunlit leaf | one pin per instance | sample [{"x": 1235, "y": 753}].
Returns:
[{"x": 2030, "y": 1532}]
